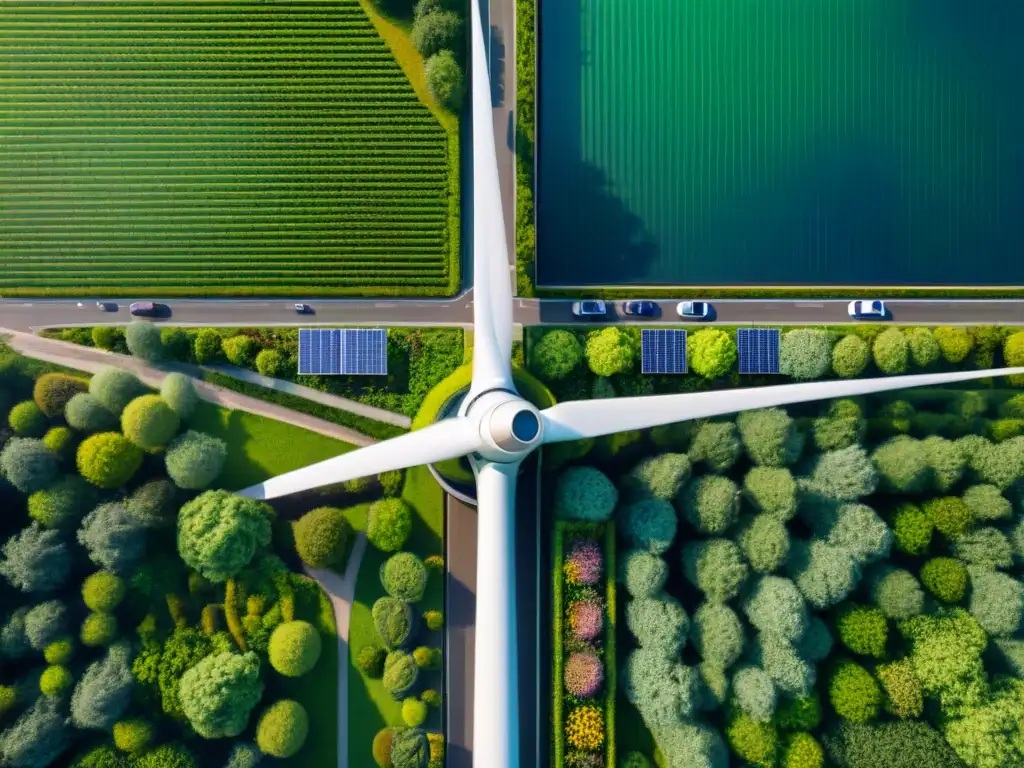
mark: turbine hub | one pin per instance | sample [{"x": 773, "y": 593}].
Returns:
[{"x": 510, "y": 426}]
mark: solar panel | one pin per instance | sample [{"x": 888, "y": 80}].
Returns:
[
  {"x": 320, "y": 351},
  {"x": 758, "y": 349},
  {"x": 663, "y": 351},
  {"x": 364, "y": 351}
]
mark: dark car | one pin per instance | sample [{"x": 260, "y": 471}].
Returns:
[
  {"x": 149, "y": 309},
  {"x": 304, "y": 309},
  {"x": 640, "y": 308},
  {"x": 589, "y": 308},
  {"x": 106, "y": 306}
]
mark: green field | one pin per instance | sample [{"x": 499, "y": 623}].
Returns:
[{"x": 217, "y": 149}]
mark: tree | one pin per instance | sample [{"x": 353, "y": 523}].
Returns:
[
  {"x": 107, "y": 336},
  {"x": 207, "y": 346},
  {"x": 114, "y": 539},
  {"x": 52, "y": 392},
  {"x": 774, "y": 605},
  {"x": 177, "y": 344},
  {"x": 63, "y": 504},
  {"x": 854, "y": 693},
  {"x": 194, "y": 460},
  {"x": 717, "y": 634},
  {"x": 104, "y": 692},
  {"x": 924, "y": 349},
  {"x": 850, "y": 356},
  {"x": 904, "y": 744},
  {"x": 133, "y": 736},
  {"x": 115, "y": 388},
  {"x": 240, "y": 350},
  {"x": 805, "y": 354},
  {"x": 86, "y": 413},
  {"x": 154, "y": 503},
  {"x": 219, "y": 532},
  {"x": 272, "y": 363},
  {"x": 711, "y": 503},
  {"x": 610, "y": 351},
  {"x": 149, "y": 422},
  {"x": 103, "y": 591},
  {"x": 765, "y": 543},
  {"x": 178, "y": 392},
  {"x": 60, "y": 440},
  {"x": 997, "y": 601},
  {"x": 711, "y": 353},
  {"x": 388, "y": 524},
  {"x": 393, "y": 620},
  {"x": 36, "y": 560},
  {"x": 772, "y": 491},
  {"x": 770, "y": 437},
  {"x": 219, "y": 692},
  {"x": 244, "y": 755},
  {"x": 892, "y": 352},
  {"x": 294, "y": 648},
  {"x": 556, "y": 355},
  {"x": 902, "y": 465},
  {"x": 585, "y": 493},
  {"x": 643, "y": 573},
  {"x": 824, "y": 574},
  {"x": 144, "y": 340},
  {"x": 98, "y": 630},
  {"x": 45, "y": 622},
  {"x": 323, "y": 537},
  {"x": 28, "y": 464},
  {"x": 404, "y": 576},
  {"x": 716, "y": 444},
  {"x": 954, "y": 343},
  {"x": 282, "y": 728},
  {"x": 170, "y": 755},
  {"x": 716, "y": 567},
  {"x": 27, "y": 420},
  {"x": 55, "y": 680},
  {"x": 38, "y": 737},
  {"x": 649, "y": 524},
  {"x": 108, "y": 460},
  {"x": 436, "y": 31}
]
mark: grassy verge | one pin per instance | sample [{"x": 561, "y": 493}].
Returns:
[
  {"x": 558, "y": 645},
  {"x": 526, "y": 59}
]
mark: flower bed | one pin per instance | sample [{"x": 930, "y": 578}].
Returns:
[{"x": 584, "y": 654}]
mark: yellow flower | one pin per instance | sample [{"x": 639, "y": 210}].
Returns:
[
  {"x": 585, "y": 729},
  {"x": 571, "y": 569}
]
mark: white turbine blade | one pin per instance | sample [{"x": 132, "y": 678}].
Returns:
[
  {"x": 594, "y": 418},
  {"x": 492, "y": 287},
  {"x": 447, "y": 439},
  {"x": 496, "y": 667}
]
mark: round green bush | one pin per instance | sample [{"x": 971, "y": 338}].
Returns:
[
  {"x": 431, "y": 698},
  {"x": 986, "y": 548},
  {"x": 28, "y": 464},
  {"x": 169, "y": 755},
  {"x": 896, "y": 592},
  {"x": 294, "y": 648},
  {"x": 661, "y": 476},
  {"x": 802, "y": 713},
  {"x": 143, "y": 340},
  {"x": 791, "y": 675},
  {"x": 98, "y": 630},
  {"x": 823, "y": 574},
  {"x": 997, "y": 601},
  {"x": 382, "y": 747},
  {"x": 771, "y": 491},
  {"x": 643, "y": 573},
  {"x": 149, "y": 422},
  {"x": 271, "y": 363},
  {"x": 400, "y": 674},
  {"x": 195, "y": 459},
  {"x": 103, "y": 592},
  {"x": 610, "y": 351},
  {"x": 717, "y": 445},
  {"x": 658, "y": 623},
  {"x": 986, "y": 502},
  {"x": 445, "y": 80},
  {"x": 414, "y": 712},
  {"x": 393, "y": 620},
  {"x": 556, "y": 355},
  {"x": 912, "y": 529},
  {"x": 774, "y": 605},
  {"x": 945, "y": 578},
  {"x": 711, "y": 504},
  {"x": 240, "y": 350},
  {"x": 133, "y": 736},
  {"x": 862, "y": 629},
  {"x": 60, "y": 440},
  {"x": 55, "y": 680},
  {"x": 815, "y": 644},
  {"x": 717, "y": 635},
  {"x": 950, "y": 516},
  {"x": 108, "y": 460},
  {"x": 59, "y": 651},
  {"x": 805, "y": 354},
  {"x": 801, "y": 750},
  {"x": 846, "y": 474},
  {"x": 410, "y": 748},
  {"x": 63, "y": 504},
  {"x": 924, "y": 349},
  {"x": 436, "y": 31},
  {"x": 754, "y": 693},
  {"x": 388, "y": 524},
  {"x": 282, "y": 729},
  {"x": 757, "y": 743},
  {"x": 52, "y": 391},
  {"x": 711, "y": 353},
  {"x": 404, "y": 576},
  {"x": 945, "y": 460},
  {"x": 854, "y": 693},
  {"x": 434, "y": 620},
  {"x": 370, "y": 660},
  {"x": 903, "y": 696},
  {"x": 585, "y": 493},
  {"x": 850, "y": 356},
  {"x": 115, "y": 388},
  {"x": 649, "y": 524},
  {"x": 154, "y": 503},
  {"x": 107, "y": 336},
  {"x": 954, "y": 343},
  {"x": 27, "y": 420},
  {"x": 902, "y": 464},
  {"x": 770, "y": 436},
  {"x": 177, "y": 344},
  {"x": 716, "y": 567},
  {"x": 832, "y": 433},
  {"x": 207, "y": 346},
  {"x": 765, "y": 543},
  {"x": 179, "y": 393},
  {"x": 323, "y": 537},
  {"x": 891, "y": 351},
  {"x": 86, "y": 413},
  {"x": 859, "y": 532}
]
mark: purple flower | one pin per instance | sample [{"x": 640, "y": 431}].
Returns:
[
  {"x": 584, "y": 674},
  {"x": 586, "y": 619},
  {"x": 585, "y": 563}
]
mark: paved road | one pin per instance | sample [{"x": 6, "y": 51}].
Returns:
[{"x": 500, "y": 17}]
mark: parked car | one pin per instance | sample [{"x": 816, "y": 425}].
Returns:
[
  {"x": 303, "y": 309},
  {"x": 149, "y": 309},
  {"x": 867, "y": 310},
  {"x": 640, "y": 308},
  {"x": 589, "y": 308},
  {"x": 693, "y": 310},
  {"x": 106, "y": 306}
]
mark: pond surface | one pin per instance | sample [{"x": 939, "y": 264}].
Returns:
[{"x": 781, "y": 142}]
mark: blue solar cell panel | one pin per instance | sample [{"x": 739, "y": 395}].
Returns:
[
  {"x": 364, "y": 351},
  {"x": 663, "y": 351},
  {"x": 758, "y": 350}
]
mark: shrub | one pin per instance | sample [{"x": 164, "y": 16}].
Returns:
[
  {"x": 853, "y": 692},
  {"x": 765, "y": 543},
  {"x": 815, "y": 644},
  {"x": 954, "y": 343},
  {"x": 28, "y": 464},
  {"x": 271, "y": 363},
  {"x": 170, "y": 755},
  {"x": 445, "y": 80},
  {"x": 133, "y": 736},
  {"x": 219, "y": 532},
  {"x": 754, "y": 693},
  {"x": 584, "y": 563},
  {"x": 850, "y": 356},
  {"x": 154, "y": 503},
  {"x": 434, "y": 620},
  {"x": 207, "y": 346},
  {"x": 240, "y": 350},
  {"x": 902, "y": 465},
  {"x": 62, "y": 504},
  {"x": 86, "y": 413},
  {"x": 393, "y": 620},
  {"x": 106, "y": 336},
  {"x": 179, "y": 393},
  {"x": 896, "y": 593},
  {"x": 400, "y": 673},
  {"x": 801, "y": 750},
  {"x": 950, "y": 516},
  {"x": 946, "y": 462},
  {"x": 802, "y": 713},
  {"x": 414, "y": 712},
  {"x": 903, "y": 697},
  {"x": 108, "y": 459},
  {"x": 791, "y": 675},
  {"x": 716, "y": 444},
  {"x": 404, "y": 576},
  {"x": 662, "y": 689},
  {"x": 891, "y": 745},
  {"x": 610, "y": 351},
  {"x": 717, "y": 635},
  {"x": 104, "y": 691},
  {"x": 113, "y": 538},
  {"x": 989, "y": 733},
  {"x": 823, "y": 574},
  {"x": 711, "y": 504},
  {"x": 858, "y": 531},
  {"x": 832, "y": 433},
  {"x": 60, "y": 440},
  {"x": 986, "y": 502},
  {"x": 912, "y": 529},
  {"x": 59, "y": 652},
  {"x": 945, "y": 651},
  {"x": 945, "y": 578},
  {"x": 388, "y": 524},
  {"x": 770, "y": 436},
  {"x": 649, "y": 524},
  {"x": 143, "y": 339},
  {"x": 585, "y": 493},
  {"x": 35, "y": 560},
  {"x": 661, "y": 476},
  {"x": 431, "y": 698},
  {"x": 634, "y": 759},
  {"x": 586, "y": 619},
  {"x": 149, "y": 422},
  {"x": 52, "y": 392},
  {"x": 115, "y": 388},
  {"x": 382, "y": 747},
  {"x": 863, "y": 630},
  {"x": 997, "y": 601},
  {"x": 805, "y": 353},
  {"x": 294, "y": 648},
  {"x": 436, "y": 31},
  {"x": 891, "y": 351},
  {"x": 843, "y": 475},
  {"x": 194, "y": 460},
  {"x": 55, "y": 681},
  {"x": 643, "y": 573},
  {"x": 716, "y": 567},
  {"x": 584, "y": 728},
  {"x": 98, "y": 630},
  {"x": 774, "y": 605},
  {"x": 924, "y": 349},
  {"x": 219, "y": 692},
  {"x": 556, "y": 355},
  {"x": 370, "y": 660},
  {"x": 323, "y": 537},
  {"x": 583, "y": 674},
  {"x": 27, "y": 420},
  {"x": 659, "y": 624},
  {"x": 45, "y": 622},
  {"x": 755, "y": 742},
  {"x": 711, "y": 353},
  {"x": 177, "y": 345},
  {"x": 37, "y": 738},
  {"x": 772, "y": 491},
  {"x": 282, "y": 729},
  {"x": 985, "y": 547}
]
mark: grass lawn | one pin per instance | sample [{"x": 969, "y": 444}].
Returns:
[{"x": 371, "y": 708}]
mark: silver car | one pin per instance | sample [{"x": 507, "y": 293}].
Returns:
[
  {"x": 693, "y": 310},
  {"x": 589, "y": 308},
  {"x": 867, "y": 310}
]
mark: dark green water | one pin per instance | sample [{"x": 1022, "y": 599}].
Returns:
[{"x": 785, "y": 142}]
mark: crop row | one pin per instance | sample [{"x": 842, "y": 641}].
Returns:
[
  {"x": 428, "y": 152},
  {"x": 324, "y": 270},
  {"x": 122, "y": 280}
]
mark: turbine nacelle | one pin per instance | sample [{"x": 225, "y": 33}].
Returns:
[{"x": 510, "y": 427}]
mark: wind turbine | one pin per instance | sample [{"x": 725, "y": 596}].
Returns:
[{"x": 496, "y": 429}]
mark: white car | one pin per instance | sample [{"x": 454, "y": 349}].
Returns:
[
  {"x": 867, "y": 310},
  {"x": 693, "y": 310}
]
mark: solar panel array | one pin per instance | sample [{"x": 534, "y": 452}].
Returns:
[
  {"x": 663, "y": 351},
  {"x": 349, "y": 351},
  {"x": 758, "y": 349}
]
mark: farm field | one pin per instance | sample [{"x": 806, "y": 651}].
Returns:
[{"x": 217, "y": 149}]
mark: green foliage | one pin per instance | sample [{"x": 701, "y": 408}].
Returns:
[
  {"x": 220, "y": 532},
  {"x": 643, "y": 573},
  {"x": 98, "y": 630},
  {"x": 862, "y": 629},
  {"x": 37, "y": 738},
  {"x": 104, "y": 691},
  {"x": 86, "y": 413},
  {"x": 108, "y": 459},
  {"x": 945, "y": 651},
  {"x": 133, "y": 736},
  {"x": 556, "y": 355},
  {"x": 143, "y": 339},
  {"x": 770, "y": 437},
  {"x": 902, "y": 465},
  {"x": 52, "y": 391},
  {"x": 154, "y": 503},
  {"x": 924, "y": 349},
  {"x": 658, "y": 624},
  {"x": 294, "y": 648},
  {"x": 985, "y": 547},
  {"x": 115, "y": 388},
  {"x": 107, "y": 336},
  {"x": 850, "y": 356},
  {"x": 28, "y": 464},
  {"x": 711, "y": 503},
  {"x": 846, "y": 474},
  {"x": 35, "y": 560},
  {"x": 62, "y": 504},
  {"x": 859, "y": 532},
  {"x": 404, "y": 576},
  {"x": 853, "y": 692},
  {"x": 610, "y": 351},
  {"x": 435, "y": 31},
  {"x": 755, "y": 742},
  {"x": 60, "y": 440},
  {"x": 194, "y": 460},
  {"x": 986, "y": 502},
  {"x": 410, "y": 748},
  {"x": 149, "y": 422},
  {"x": 824, "y": 574},
  {"x": 323, "y": 537},
  {"x": 903, "y": 695},
  {"x": 45, "y": 622},
  {"x": 815, "y": 644},
  {"x": 791, "y": 675},
  {"x": 272, "y": 363},
  {"x": 114, "y": 539},
  {"x": 955, "y": 343},
  {"x": 661, "y": 476},
  {"x": 772, "y": 491},
  {"x": 946, "y": 462},
  {"x": 716, "y": 567},
  {"x": 388, "y": 525},
  {"x": 950, "y": 516},
  {"x": 55, "y": 680},
  {"x": 400, "y": 674},
  {"x": 240, "y": 350},
  {"x": 434, "y": 620},
  {"x": 717, "y": 634},
  {"x": 585, "y": 493},
  {"x": 218, "y": 693},
  {"x": 179, "y": 393},
  {"x": 170, "y": 755},
  {"x": 909, "y": 744},
  {"x": 370, "y": 660},
  {"x": 896, "y": 592},
  {"x": 207, "y": 346},
  {"x": 634, "y": 759},
  {"x": 177, "y": 344},
  {"x": 832, "y": 433},
  {"x": 414, "y": 712},
  {"x": 765, "y": 543},
  {"x": 989, "y": 735},
  {"x": 648, "y": 524},
  {"x": 912, "y": 529},
  {"x": 997, "y": 601},
  {"x": 27, "y": 420},
  {"x": 945, "y": 578},
  {"x": 663, "y": 690},
  {"x": 446, "y": 81},
  {"x": 393, "y": 620},
  {"x": 774, "y": 605},
  {"x": 282, "y": 728},
  {"x": 805, "y": 354},
  {"x": 754, "y": 693},
  {"x": 891, "y": 352},
  {"x": 716, "y": 444},
  {"x": 59, "y": 652},
  {"x": 802, "y": 713},
  {"x": 711, "y": 353},
  {"x": 801, "y": 750}
]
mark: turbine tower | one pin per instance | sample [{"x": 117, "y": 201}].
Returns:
[{"x": 496, "y": 429}]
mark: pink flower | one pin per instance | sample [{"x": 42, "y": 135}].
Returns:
[
  {"x": 585, "y": 563},
  {"x": 586, "y": 620},
  {"x": 584, "y": 674}
]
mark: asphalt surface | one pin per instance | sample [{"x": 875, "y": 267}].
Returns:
[{"x": 460, "y": 612}]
